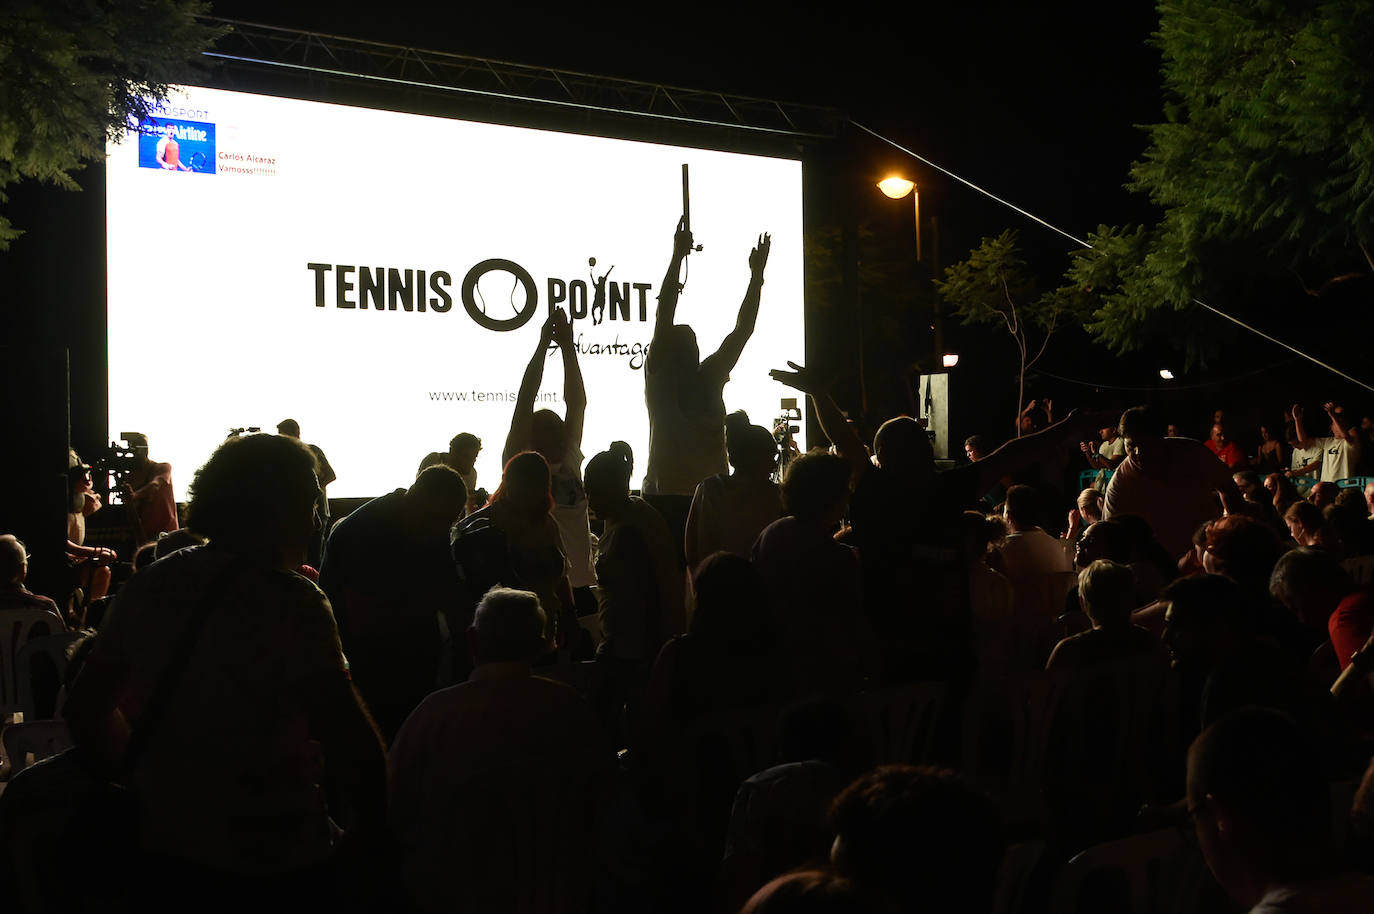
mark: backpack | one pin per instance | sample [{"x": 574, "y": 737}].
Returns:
[{"x": 481, "y": 554}]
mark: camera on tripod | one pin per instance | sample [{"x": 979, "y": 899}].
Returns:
[{"x": 783, "y": 429}]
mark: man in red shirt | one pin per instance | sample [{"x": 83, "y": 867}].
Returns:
[
  {"x": 150, "y": 488},
  {"x": 1312, "y": 584},
  {"x": 1226, "y": 449}
]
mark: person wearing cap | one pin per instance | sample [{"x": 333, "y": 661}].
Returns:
[
  {"x": 90, "y": 563},
  {"x": 290, "y": 428},
  {"x": 149, "y": 487}
]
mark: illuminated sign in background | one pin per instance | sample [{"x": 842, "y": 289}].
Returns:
[{"x": 318, "y": 272}]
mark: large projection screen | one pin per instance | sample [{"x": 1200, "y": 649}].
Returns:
[{"x": 252, "y": 238}]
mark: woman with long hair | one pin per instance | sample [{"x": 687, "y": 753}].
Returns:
[
  {"x": 520, "y": 512},
  {"x": 640, "y": 585}
]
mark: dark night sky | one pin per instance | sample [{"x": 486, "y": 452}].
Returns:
[{"x": 1039, "y": 105}]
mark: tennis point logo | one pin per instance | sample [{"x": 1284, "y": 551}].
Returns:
[
  {"x": 498, "y": 294},
  {"x": 168, "y": 144}
]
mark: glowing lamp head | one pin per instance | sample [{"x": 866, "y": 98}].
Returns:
[
  {"x": 950, "y": 359},
  {"x": 1166, "y": 374},
  {"x": 896, "y": 187}
]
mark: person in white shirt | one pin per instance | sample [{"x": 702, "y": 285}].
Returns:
[
  {"x": 1306, "y": 460},
  {"x": 1040, "y": 571},
  {"x": 1109, "y": 453},
  {"x": 1106, "y": 456},
  {"x": 1340, "y": 450}
]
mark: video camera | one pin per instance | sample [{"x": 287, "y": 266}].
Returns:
[
  {"x": 110, "y": 469},
  {"x": 783, "y": 429},
  {"x": 118, "y": 460}
]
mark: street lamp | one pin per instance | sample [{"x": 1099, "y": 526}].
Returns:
[{"x": 897, "y": 188}]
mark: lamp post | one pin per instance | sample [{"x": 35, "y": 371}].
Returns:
[{"x": 898, "y": 187}]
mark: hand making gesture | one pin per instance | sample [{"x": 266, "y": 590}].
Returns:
[
  {"x": 799, "y": 378},
  {"x": 758, "y": 257},
  {"x": 562, "y": 329}
]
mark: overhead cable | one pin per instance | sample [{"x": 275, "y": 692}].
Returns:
[{"x": 1079, "y": 241}]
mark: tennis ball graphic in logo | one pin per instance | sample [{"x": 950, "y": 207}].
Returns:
[{"x": 496, "y": 312}]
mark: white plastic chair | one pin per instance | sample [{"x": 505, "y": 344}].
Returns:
[
  {"x": 17, "y": 627},
  {"x": 53, "y": 647}
]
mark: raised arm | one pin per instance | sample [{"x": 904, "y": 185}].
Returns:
[
  {"x": 836, "y": 428},
  {"x": 1020, "y": 453},
  {"x": 671, "y": 287},
  {"x": 518, "y": 438},
  {"x": 1300, "y": 433},
  {"x": 1339, "y": 429},
  {"x": 727, "y": 356},
  {"x": 574, "y": 391}
]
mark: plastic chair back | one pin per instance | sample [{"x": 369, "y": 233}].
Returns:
[
  {"x": 1361, "y": 569},
  {"x": 52, "y": 647},
  {"x": 17, "y": 626},
  {"x": 39, "y": 738},
  {"x": 1006, "y": 730},
  {"x": 1038, "y": 606},
  {"x": 902, "y": 721},
  {"x": 1157, "y": 872},
  {"x": 524, "y": 843}
]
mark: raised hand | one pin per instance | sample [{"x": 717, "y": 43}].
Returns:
[
  {"x": 562, "y": 329},
  {"x": 799, "y": 378},
  {"x": 1297, "y": 412},
  {"x": 682, "y": 241},
  {"x": 546, "y": 331},
  {"x": 758, "y": 257}
]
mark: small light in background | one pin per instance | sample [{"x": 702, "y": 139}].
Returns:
[
  {"x": 1166, "y": 374},
  {"x": 950, "y": 359}
]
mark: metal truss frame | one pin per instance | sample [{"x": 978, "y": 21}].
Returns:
[{"x": 310, "y": 52}]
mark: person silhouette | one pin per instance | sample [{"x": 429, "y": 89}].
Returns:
[
  {"x": 599, "y": 290},
  {"x": 684, "y": 393}
]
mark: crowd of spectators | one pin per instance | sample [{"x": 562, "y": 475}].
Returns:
[{"x": 545, "y": 693}]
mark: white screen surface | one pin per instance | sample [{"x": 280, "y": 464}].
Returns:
[{"x": 217, "y": 318}]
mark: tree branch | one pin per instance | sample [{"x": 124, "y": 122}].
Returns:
[
  {"x": 1006, "y": 292},
  {"x": 1049, "y": 332}
]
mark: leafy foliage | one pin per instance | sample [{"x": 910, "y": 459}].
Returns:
[
  {"x": 1264, "y": 166},
  {"x": 74, "y": 73},
  {"x": 994, "y": 287}
]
